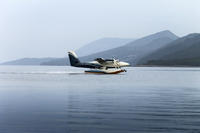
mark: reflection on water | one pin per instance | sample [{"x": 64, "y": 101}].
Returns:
[{"x": 65, "y": 100}]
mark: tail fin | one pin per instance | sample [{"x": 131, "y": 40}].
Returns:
[{"x": 73, "y": 58}]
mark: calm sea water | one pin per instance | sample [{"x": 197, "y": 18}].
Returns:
[{"x": 40, "y": 99}]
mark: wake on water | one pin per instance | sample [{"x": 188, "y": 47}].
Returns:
[{"x": 42, "y": 72}]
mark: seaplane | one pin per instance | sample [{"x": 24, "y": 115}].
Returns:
[{"x": 99, "y": 65}]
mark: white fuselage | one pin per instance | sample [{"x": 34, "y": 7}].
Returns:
[{"x": 114, "y": 63}]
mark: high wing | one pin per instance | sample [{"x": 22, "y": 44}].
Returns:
[
  {"x": 103, "y": 61},
  {"x": 108, "y": 63}
]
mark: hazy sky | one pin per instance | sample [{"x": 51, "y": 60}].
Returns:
[{"x": 49, "y": 28}]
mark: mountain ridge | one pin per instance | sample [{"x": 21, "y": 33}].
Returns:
[
  {"x": 136, "y": 48},
  {"x": 102, "y": 44},
  {"x": 181, "y": 50}
]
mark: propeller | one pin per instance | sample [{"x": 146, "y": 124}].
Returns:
[
  {"x": 115, "y": 59},
  {"x": 116, "y": 62}
]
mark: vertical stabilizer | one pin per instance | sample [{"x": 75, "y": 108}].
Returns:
[{"x": 73, "y": 58}]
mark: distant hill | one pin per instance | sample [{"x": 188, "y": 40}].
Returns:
[
  {"x": 27, "y": 61},
  {"x": 135, "y": 50},
  {"x": 57, "y": 62},
  {"x": 102, "y": 45},
  {"x": 184, "y": 51}
]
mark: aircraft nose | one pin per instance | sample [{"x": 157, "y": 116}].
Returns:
[
  {"x": 127, "y": 64},
  {"x": 124, "y": 64}
]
